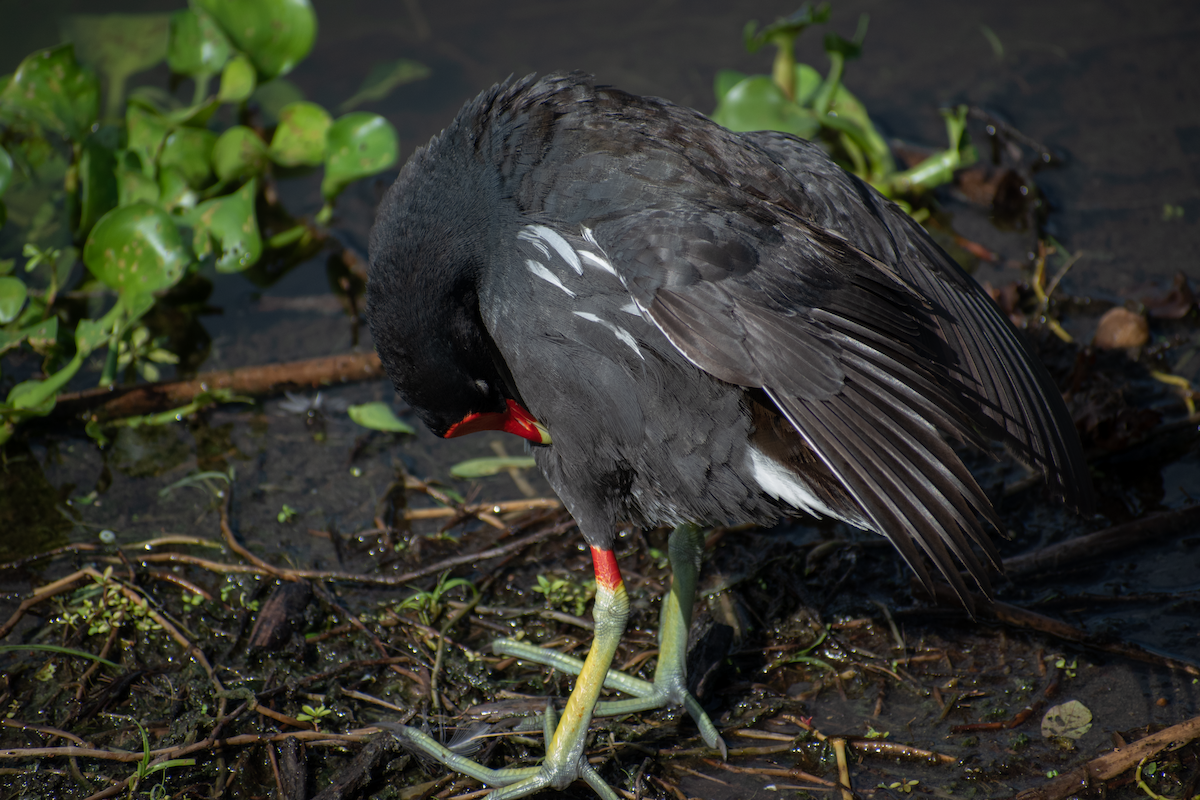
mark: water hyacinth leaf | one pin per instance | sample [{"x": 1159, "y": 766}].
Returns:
[
  {"x": 359, "y": 144},
  {"x": 226, "y": 228},
  {"x": 300, "y": 138},
  {"x": 276, "y": 34},
  {"x": 118, "y": 45},
  {"x": 1071, "y": 720},
  {"x": 378, "y": 416},
  {"x": 12, "y": 298},
  {"x": 196, "y": 45},
  {"x": 98, "y": 191},
  {"x": 40, "y": 336},
  {"x": 383, "y": 78},
  {"x": 274, "y": 96},
  {"x": 6, "y": 169},
  {"x": 136, "y": 249},
  {"x": 239, "y": 153},
  {"x": 55, "y": 91},
  {"x": 725, "y": 80},
  {"x": 757, "y": 104},
  {"x": 174, "y": 193},
  {"x": 485, "y": 467},
  {"x": 147, "y": 130},
  {"x": 189, "y": 150},
  {"x": 237, "y": 80},
  {"x": 132, "y": 184}
]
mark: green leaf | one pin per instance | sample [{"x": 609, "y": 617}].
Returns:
[
  {"x": 40, "y": 336},
  {"x": 1071, "y": 720},
  {"x": 300, "y": 138},
  {"x": 98, "y": 191},
  {"x": 136, "y": 249},
  {"x": 132, "y": 184},
  {"x": 378, "y": 416},
  {"x": 196, "y": 44},
  {"x": 726, "y": 79},
  {"x": 359, "y": 144},
  {"x": 275, "y": 34},
  {"x": 6, "y": 168},
  {"x": 383, "y": 78},
  {"x": 12, "y": 298},
  {"x": 484, "y": 467},
  {"x": 174, "y": 193},
  {"x": 189, "y": 150},
  {"x": 237, "y": 80},
  {"x": 53, "y": 90},
  {"x": 274, "y": 96},
  {"x": 226, "y": 228},
  {"x": 147, "y": 130},
  {"x": 758, "y": 104},
  {"x": 239, "y": 153},
  {"x": 118, "y": 45},
  {"x": 92, "y": 333}
]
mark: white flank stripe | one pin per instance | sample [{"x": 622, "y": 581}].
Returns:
[
  {"x": 622, "y": 334},
  {"x": 560, "y": 245},
  {"x": 776, "y": 481},
  {"x": 631, "y": 308},
  {"x": 597, "y": 261},
  {"x": 546, "y": 275},
  {"x": 527, "y": 234}
]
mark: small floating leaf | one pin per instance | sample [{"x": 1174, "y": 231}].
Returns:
[
  {"x": 276, "y": 34},
  {"x": 300, "y": 138},
  {"x": 12, "y": 298},
  {"x": 190, "y": 151},
  {"x": 378, "y": 416},
  {"x": 239, "y": 153},
  {"x": 1070, "y": 720},
  {"x": 237, "y": 80},
  {"x": 97, "y": 177},
  {"x": 147, "y": 132},
  {"x": 758, "y": 104},
  {"x": 227, "y": 228},
  {"x": 359, "y": 144},
  {"x": 484, "y": 467},
  {"x": 197, "y": 46},
  {"x": 136, "y": 249},
  {"x": 52, "y": 89}
]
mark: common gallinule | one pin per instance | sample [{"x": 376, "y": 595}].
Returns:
[{"x": 693, "y": 326}]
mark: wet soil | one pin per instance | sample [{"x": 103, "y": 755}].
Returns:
[{"x": 808, "y": 626}]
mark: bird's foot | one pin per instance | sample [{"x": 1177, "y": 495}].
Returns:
[
  {"x": 554, "y": 773},
  {"x": 667, "y": 690}
]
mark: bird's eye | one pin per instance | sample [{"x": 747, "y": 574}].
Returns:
[{"x": 483, "y": 386}]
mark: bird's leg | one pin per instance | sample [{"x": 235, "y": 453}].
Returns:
[
  {"x": 669, "y": 687},
  {"x": 565, "y": 761}
]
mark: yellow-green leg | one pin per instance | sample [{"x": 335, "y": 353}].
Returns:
[
  {"x": 565, "y": 761},
  {"x": 566, "y": 736},
  {"x": 669, "y": 687}
]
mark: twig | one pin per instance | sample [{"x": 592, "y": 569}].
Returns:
[
  {"x": 1112, "y": 764},
  {"x": 1109, "y": 540},
  {"x": 106, "y": 404}
]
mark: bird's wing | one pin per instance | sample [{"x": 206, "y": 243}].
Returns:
[
  {"x": 848, "y": 351},
  {"x": 1016, "y": 391}
]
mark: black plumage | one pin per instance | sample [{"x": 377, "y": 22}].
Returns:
[
  {"x": 713, "y": 327},
  {"x": 762, "y": 278}
]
